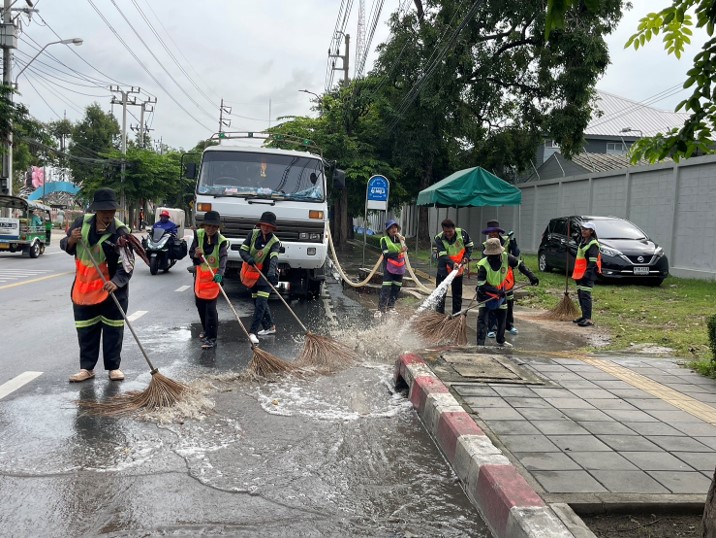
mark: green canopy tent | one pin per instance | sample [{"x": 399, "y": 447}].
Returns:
[{"x": 472, "y": 187}]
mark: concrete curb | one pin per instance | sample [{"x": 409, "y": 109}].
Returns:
[{"x": 507, "y": 503}]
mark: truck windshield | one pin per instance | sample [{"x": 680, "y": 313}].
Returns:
[{"x": 261, "y": 175}]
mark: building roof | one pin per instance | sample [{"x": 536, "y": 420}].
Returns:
[{"x": 618, "y": 113}]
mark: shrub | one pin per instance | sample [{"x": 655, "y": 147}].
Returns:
[{"x": 712, "y": 338}]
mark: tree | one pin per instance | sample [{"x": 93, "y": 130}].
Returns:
[{"x": 93, "y": 138}]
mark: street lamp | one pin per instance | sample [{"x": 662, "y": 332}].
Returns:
[
  {"x": 630, "y": 130},
  {"x": 74, "y": 41},
  {"x": 312, "y": 93}
]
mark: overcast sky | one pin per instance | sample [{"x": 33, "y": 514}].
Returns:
[{"x": 248, "y": 52}]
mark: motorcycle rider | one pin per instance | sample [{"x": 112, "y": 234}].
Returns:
[{"x": 166, "y": 224}]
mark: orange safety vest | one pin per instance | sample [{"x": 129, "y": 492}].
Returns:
[
  {"x": 204, "y": 285},
  {"x": 249, "y": 275},
  {"x": 580, "y": 263},
  {"x": 456, "y": 250},
  {"x": 88, "y": 287}
]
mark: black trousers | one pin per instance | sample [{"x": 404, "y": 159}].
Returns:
[
  {"x": 501, "y": 318},
  {"x": 389, "y": 291},
  {"x": 456, "y": 288},
  {"x": 510, "y": 320},
  {"x": 584, "y": 294},
  {"x": 103, "y": 323},
  {"x": 209, "y": 316},
  {"x": 262, "y": 312}
]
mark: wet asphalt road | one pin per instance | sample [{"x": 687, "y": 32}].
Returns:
[{"x": 320, "y": 456}]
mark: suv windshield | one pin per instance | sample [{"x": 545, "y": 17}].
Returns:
[
  {"x": 261, "y": 175},
  {"x": 617, "y": 229}
]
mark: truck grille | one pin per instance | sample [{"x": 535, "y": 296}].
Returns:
[{"x": 288, "y": 232}]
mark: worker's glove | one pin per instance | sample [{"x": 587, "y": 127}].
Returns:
[
  {"x": 273, "y": 278},
  {"x": 465, "y": 261},
  {"x": 218, "y": 278},
  {"x": 534, "y": 281},
  {"x": 250, "y": 260}
]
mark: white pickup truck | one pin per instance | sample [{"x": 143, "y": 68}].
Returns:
[{"x": 242, "y": 182}]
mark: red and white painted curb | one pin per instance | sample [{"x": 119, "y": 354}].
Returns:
[{"x": 507, "y": 503}]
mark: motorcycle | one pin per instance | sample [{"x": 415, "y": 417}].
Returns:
[{"x": 164, "y": 249}]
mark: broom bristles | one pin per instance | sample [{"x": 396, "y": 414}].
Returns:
[
  {"x": 264, "y": 364},
  {"x": 565, "y": 310},
  {"x": 161, "y": 392},
  {"x": 325, "y": 353},
  {"x": 428, "y": 326},
  {"x": 437, "y": 328}
]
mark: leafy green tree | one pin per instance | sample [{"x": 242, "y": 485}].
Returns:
[{"x": 93, "y": 138}]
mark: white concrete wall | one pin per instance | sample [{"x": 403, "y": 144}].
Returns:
[{"x": 675, "y": 204}]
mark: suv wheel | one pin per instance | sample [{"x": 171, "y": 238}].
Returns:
[{"x": 542, "y": 263}]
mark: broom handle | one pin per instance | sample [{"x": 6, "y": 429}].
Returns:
[
  {"x": 121, "y": 310},
  {"x": 280, "y": 297},
  {"x": 221, "y": 288},
  {"x": 566, "y": 262},
  {"x": 465, "y": 310}
]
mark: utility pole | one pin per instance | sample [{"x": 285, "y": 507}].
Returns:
[
  {"x": 124, "y": 102},
  {"x": 341, "y": 204},
  {"x": 8, "y": 41},
  {"x": 223, "y": 109},
  {"x": 146, "y": 106}
]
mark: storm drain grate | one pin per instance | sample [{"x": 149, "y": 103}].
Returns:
[{"x": 485, "y": 368}]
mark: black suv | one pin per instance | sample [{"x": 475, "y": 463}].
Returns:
[{"x": 626, "y": 250}]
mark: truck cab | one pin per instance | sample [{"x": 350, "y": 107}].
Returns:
[{"x": 241, "y": 182}]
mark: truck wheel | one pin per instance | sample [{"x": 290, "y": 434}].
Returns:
[
  {"x": 35, "y": 250},
  {"x": 314, "y": 288},
  {"x": 154, "y": 265}
]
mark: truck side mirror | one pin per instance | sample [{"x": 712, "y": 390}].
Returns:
[
  {"x": 190, "y": 170},
  {"x": 339, "y": 179}
]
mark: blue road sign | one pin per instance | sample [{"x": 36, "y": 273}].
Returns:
[{"x": 377, "y": 192}]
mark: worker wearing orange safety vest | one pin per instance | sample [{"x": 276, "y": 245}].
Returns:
[
  {"x": 393, "y": 267},
  {"x": 97, "y": 318},
  {"x": 453, "y": 246},
  {"x": 587, "y": 265},
  {"x": 210, "y": 252},
  {"x": 495, "y": 279},
  {"x": 260, "y": 252}
]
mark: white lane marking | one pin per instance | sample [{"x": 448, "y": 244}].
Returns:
[
  {"x": 183, "y": 288},
  {"x": 17, "y": 382},
  {"x": 138, "y": 314}
]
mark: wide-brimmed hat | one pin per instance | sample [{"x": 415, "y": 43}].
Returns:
[
  {"x": 491, "y": 229},
  {"x": 164, "y": 213},
  {"x": 391, "y": 222},
  {"x": 268, "y": 218},
  {"x": 212, "y": 218},
  {"x": 104, "y": 199},
  {"x": 493, "y": 246}
]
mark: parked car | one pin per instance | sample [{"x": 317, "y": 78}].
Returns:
[{"x": 627, "y": 252}]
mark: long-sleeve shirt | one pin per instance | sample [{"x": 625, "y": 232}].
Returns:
[
  {"x": 271, "y": 261},
  {"x": 169, "y": 226},
  {"x": 208, "y": 247},
  {"x": 495, "y": 262},
  {"x": 444, "y": 261},
  {"x": 117, "y": 274}
]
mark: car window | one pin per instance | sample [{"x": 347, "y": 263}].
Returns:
[
  {"x": 559, "y": 227},
  {"x": 617, "y": 229}
]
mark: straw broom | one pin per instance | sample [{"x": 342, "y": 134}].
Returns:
[
  {"x": 161, "y": 392},
  {"x": 319, "y": 351},
  {"x": 263, "y": 363},
  {"x": 565, "y": 309}
]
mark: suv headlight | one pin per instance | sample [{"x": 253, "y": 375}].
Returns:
[
  {"x": 659, "y": 252},
  {"x": 607, "y": 251}
]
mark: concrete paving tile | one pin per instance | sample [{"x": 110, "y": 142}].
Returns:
[
  {"x": 596, "y": 394},
  {"x": 682, "y": 482},
  {"x": 528, "y": 443},
  {"x": 512, "y": 427},
  {"x": 664, "y": 379},
  {"x": 696, "y": 429},
  {"x": 610, "y": 384},
  {"x": 607, "y": 428},
  {"x": 552, "y": 392},
  {"x": 708, "y": 441},
  {"x": 608, "y": 461},
  {"x": 482, "y": 402},
  {"x": 569, "y": 403},
  {"x": 590, "y": 415},
  {"x": 705, "y": 397},
  {"x": 584, "y": 368},
  {"x": 628, "y": 482},
  {"x": 578, "y": 384},
  {"x": 546, "y": 461},
  {"x": 473, "y": 390},
  {"x": 656, "y": 461},
  {"x": 609, "y": 403},
  {"x": 629, "y": 393},
  {"x": 498, "y": 413},
  {"x": 649, "y": 370},
  {"x": 674, "y": 417},
  {"x": 578, "y": 443},
  {"x": 531, "y": 403},
  {"x": 678, "y": 443},
  {"x": 525, "y": 392},
  {"x": 548, "y": 367},
  {"x": 655, "y": 404},
  {"x": 564, "y": 376},
  {"x": 631, "y": 443},
  {"x": 624, "y": 415},
  {"x": 651, "y": 428},
  {"x": 542, "y": 414},
  {"x": 559, "y": 427},
  {"x": 568, "y": 482},
  {"x": 701, "y": 461},
  {"x": 688, "y": 388}
]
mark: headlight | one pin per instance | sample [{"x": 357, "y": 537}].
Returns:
[
  {"x": 614, "y": 253},
  {"x": 659, "y": 252},
  {"x": 315, "y": 237},
  {"x": 303, "y": 236}
]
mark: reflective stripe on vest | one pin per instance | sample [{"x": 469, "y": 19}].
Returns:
[
  {"x": 456, "y": 250},
  {"x": 250, "y": 276},
  {"x": 392, "y": 246},
  {"x": 204, "y": 285},
  {"x": 581, "y": 263},
  {"x": 88, "y": 287}
]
